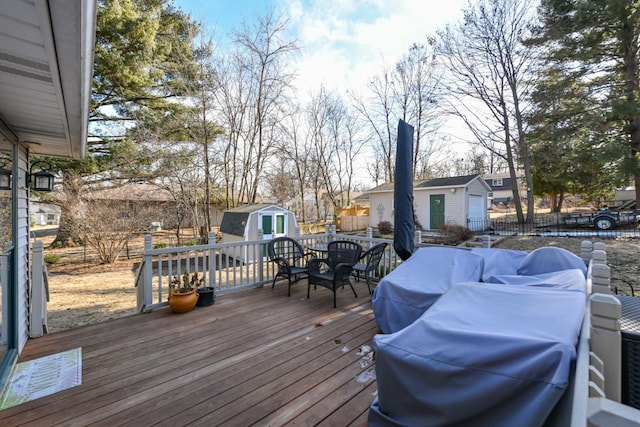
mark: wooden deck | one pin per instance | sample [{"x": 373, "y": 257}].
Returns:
[{"x": 253, "y": 358}]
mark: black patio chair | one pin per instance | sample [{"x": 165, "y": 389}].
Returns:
[
  {"x": 290, "y": 258},
  {"x": 371, "y": 260},
  {"x": 341, "y": 256}
]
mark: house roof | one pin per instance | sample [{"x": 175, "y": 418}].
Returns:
[
  {"x": 46, "y": 67},
  {"x": 453, "y": 181}
]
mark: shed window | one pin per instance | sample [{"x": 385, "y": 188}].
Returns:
[{"x": 279, "y": 224}]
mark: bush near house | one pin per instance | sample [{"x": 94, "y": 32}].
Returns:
[
  {"x": 385, "y": 227},
  {"x": 453, "y": 234}
]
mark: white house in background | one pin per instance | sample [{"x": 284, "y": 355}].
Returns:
[
  {"x": 245, "y": 223},
  {"x": 45, "y": 214},
  {"x": 502, "y": 187},
  {"x": 46, "y": 67},
  {"x": 460, "y": 200}
]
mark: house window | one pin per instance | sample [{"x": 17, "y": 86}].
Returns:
[
  {"x": 497, "y": 182},
  {"x": 490, "y": 194}
]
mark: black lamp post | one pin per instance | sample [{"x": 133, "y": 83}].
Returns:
[{"x": 43, "y": 179}]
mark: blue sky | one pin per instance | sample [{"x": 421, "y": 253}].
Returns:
[{"x": 343, "y": 42}]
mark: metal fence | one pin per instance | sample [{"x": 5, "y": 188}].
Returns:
[{"x": 556, "y": 225}]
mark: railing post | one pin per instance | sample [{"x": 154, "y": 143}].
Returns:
[
  {"x": 486, "y": 241},
  {"x": 417, "y": 237},
  {"x": 212, "y": 261},
  {"x": 586, "y": 247},
  {"x": 260, "y": 260},
  {"x": 145, "y": 292},
  {"x": 606, "y": 413},
  {"x": 606, "y": 341},
  {"x": 369, "y": 233},
  {"x": 296, "y": 231},
  {"x": 600, "y": 272},
  {"x": 38, "y": 318}
]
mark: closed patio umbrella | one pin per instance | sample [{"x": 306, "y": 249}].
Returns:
[{"x": 403, "y": 227}]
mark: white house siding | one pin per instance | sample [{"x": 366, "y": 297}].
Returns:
[
  {"x": 380, "y": 208},
  {"x": 475, "y": 188},
  {"x": 454, "y": 206},
  {"x": 22, "y": 252}
]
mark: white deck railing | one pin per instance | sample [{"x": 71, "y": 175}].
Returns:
[
  {"x": 226, "y": 267},
  {"x": 39, "y": 292},
  {"x": 595, "y": 390}
]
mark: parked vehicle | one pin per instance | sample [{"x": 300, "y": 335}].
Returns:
[{"x": 604, "y": 220}]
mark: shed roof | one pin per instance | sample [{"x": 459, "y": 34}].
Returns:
[
  {"x": 235, "y": 220},
  {"x": 453, "y": 181}
]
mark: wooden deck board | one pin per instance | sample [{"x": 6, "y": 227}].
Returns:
[{"x": 254, "y": 357}]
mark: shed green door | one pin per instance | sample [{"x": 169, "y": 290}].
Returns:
[
  {"x": 436, "y": 211},
  {"x": 267, "y": 227}
]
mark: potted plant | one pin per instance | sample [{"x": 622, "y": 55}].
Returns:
[
  {"x": 182, "y": 292},
  {"x": 206, "y": 295}
]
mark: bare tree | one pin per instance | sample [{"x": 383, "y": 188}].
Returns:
[
  {"x": 298, "y": 154},
  {"x": 108, "y": 225},
  {"x": 409, "y": 91},
  {"x": 416, "y": 86},
  {"x": 378, "y": 112},
  {"x": 488, "y": 64},
  {"x": 262, "y": 50}
]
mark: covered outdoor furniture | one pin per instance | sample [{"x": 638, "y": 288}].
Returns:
[
  {"x": 335, "y": 269},
  {"x": 484, "y": 354},
  {"x": 290, "y": 258},
  {"x": 371, "y": 258},
  {"x": 403, "y": 295},
  {"x": 549, "y": 259}
]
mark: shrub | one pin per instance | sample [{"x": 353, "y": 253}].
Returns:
[
  {"x": 385, "y": 227},
  {"x": 159, "y": 245},
  {"x": 51, "y": 258},
  {"x": 192, "y": 242},
  {"x": 453, "y": 234}
]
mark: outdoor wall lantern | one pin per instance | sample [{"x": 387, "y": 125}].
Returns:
[
  {"x": 5, "y": 176},
  {"x": 43, "y": 179}
]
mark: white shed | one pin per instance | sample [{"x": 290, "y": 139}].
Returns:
[
  {"x": 460, "y": 200},
  {"x": 242, "y": 223}
]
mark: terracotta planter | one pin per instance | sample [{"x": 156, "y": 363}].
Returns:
[{"x": 183, "y": 302}]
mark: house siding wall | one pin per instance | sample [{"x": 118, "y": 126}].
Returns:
[
  {"x": 454, "y": 204},
  {"x": 456, "y": 208},
  {"x": 380, "y": 208}
]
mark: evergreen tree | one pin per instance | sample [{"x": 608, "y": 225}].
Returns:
[
  {"x": 137, "y": 63},
  {"x": 595, "y": 43}
]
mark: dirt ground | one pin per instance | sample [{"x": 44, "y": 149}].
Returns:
[{"x": 83, "y": 291}]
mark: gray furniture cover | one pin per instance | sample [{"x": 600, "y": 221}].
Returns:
[
  {"x": 499, "y": 261},
  {"x": 570, "y": 280},
  {"x": 405, "y": 293},
  {"x": 483, "y": 355},
  {"x": 549, "y": 259}
]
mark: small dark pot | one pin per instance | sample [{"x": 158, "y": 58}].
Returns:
[{"x": 207, "y": 296}]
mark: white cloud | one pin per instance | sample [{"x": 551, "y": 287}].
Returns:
[{"x": 346, "y": 42}]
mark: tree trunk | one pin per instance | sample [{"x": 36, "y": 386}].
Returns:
[{"x": 70, "y": 204}]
